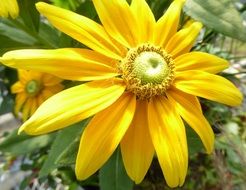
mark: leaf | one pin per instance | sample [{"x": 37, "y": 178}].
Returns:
[
  {"x": 113, "y": 176},
  {"x": 7, "y": 29},
  {"x": 221, "y": 16},
  {"x": 63, "y": 143},
  {"x": 194, "y": 142},
  {"x": 29, "y": 14},
  {"x": 68, "y": 156},
  {"x": 87, "y": 9},
  {"x": 22, "y": 144}
]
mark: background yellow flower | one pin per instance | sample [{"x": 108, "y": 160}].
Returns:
[
  {"x": 32, "y": 89},
  {"x": 9, "y": 7}
]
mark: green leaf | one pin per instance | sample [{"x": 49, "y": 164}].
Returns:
[
  {"x": 113, "y": 176},
  {"x": 194, "y": 143},
  {"x": 67, "y": 4},
  {"x": 29, "y": 14},
  {"x": 7, "y": 29},
  {"x": 221, "y": 16},
  {"x": 87, "y": 9},
  {"x": 22, "y": 144},
  {"x": 63, "y": 143},
  {"x": 68, "y": 156}
]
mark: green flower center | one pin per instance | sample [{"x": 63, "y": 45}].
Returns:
[
  {"x": 150, "y": 67},
  {"x": 33, "y": 87},
  {"x": 147, "y": 71}
]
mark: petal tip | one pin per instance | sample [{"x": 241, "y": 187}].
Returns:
[
  {"x": 41, "y": 6},
  {"x": 197, "y": 25},
  {"x": 21, "y": 129}
]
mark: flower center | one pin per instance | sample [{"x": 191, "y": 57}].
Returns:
[
  {"x": 147, "y": 71},
  {"x": 33, "y": 87}
]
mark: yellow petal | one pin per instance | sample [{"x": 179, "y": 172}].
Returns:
[
  {"x": 13, "y": 8},
  {"x": 103, "y": 134},
  {"x": 9, "y": 7},
  {"x": 118, "y": 20},
  {"x": 145, "y": 20},
  {"x": 23, "y": 75},
  {"x": 208, "y": 86},
  {"x": 167, "y": 25},
  {"x": 3, "y": 10},
  {"x": 19, "y": 101},
  {"x": 27, "y": 109},
  {"x": 169, "y": 139},
  {"x": 17, "y": 87},
  {"x": 40, "y": 99},
  {"x": 136, "y": 146},
  {"x": 50, "y": 80},
  {"x": 187, "y": 107},
  {"x": 73, "y": 105},
  {"x": 183, "y": 40},
  {"x": 68, "y": 63},
  {"x": 46, "y": 94},
  {"x": 54, "y": 89},
  {"x": 82, "y": 29},
  {"x": 34, "y": 106},
  {"x": 200, "y": 61}
]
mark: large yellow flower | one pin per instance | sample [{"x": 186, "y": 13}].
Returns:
[
  {"x": 9, "y": 7},
  {"x": 143, "y": 80},
  {"x": 32, "y": 89}
]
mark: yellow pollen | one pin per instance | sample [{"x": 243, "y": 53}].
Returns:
[{"x": 147, "y": 71}]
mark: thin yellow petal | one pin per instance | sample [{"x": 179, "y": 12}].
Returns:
[
  {"x": 167, "y": 25},
  {"x": 55, "y": 89},
  {"x": 68, "y": 63},
  {"x": 13, "y": 8},
  {"x": 73, "y": 105},
  {"x": 103, "y": 134},
  {"x": 27, "y": 109},
  {"x": 145, "y": 20},
  {"x": 46, "y": 94},
  {"x": 40, "y": 99},
  {"x": 200, "y": 61},
  {"x": 9, "y": 7},
  {"x": 183, "y": 40},
  {"x": 82, "y": 29},
  {"x": 17, "y": 87},
  {"x": 118, "y": 21},
  {"x": 23, "y": 75},
  {"x": 208, "y": 86},
  {"x": 19, "y": 101},
  {"x": 34, "y": 106},
  {"x": 187, "y": 107},
  {"x": 3, "y": 10},
  {"x": 169, "y": 139},
  {"x": 50, "y": 80},
  {"x": 136, "y": 146}
]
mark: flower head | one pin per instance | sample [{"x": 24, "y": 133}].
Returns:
[
  {"x": 143, "y": 83},
  {"x": 9, "y": 7},
  {"x": 32, "y": 89}
]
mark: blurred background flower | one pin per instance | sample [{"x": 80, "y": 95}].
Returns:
[
  {"x": 32, "y": 89},
  {"x": 9, "y": 8}
]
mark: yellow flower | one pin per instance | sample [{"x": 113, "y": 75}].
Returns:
[
  {"x": 9, "y": 7},
  {"x": 32, "y": 89},
  {"x": 143, "y": 80}
]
